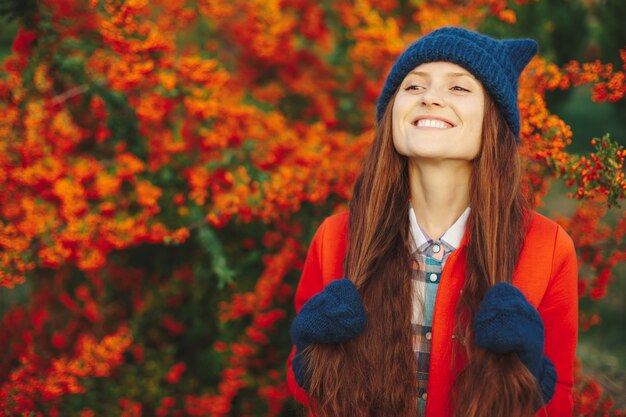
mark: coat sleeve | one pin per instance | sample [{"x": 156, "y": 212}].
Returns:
[
  {"x": 559, "y": 311},
  {"x": 323, "y": 264},
  {"x": 311, "y": 283}
]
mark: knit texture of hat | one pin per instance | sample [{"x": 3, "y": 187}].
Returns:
[{"x": 497, "y": 64}]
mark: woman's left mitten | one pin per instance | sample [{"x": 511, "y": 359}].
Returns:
[{"x": 507, "y": 322}]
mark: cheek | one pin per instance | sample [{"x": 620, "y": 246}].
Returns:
[
  {"x": 401, "y": 105},
  {"x": 398, "y": 140},
  {"x": 398, "y": 130},
  {"x": 478, "y": 124},
  {"x": 477, "y": 115},
  {"x": 396, "y": 111},
  {"x": 477, "y": 133}
]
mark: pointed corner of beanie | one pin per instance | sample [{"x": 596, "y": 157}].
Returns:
[{"x": 521, "y": 51}]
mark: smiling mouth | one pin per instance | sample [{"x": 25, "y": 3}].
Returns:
[{"x": 432, "y": 123}]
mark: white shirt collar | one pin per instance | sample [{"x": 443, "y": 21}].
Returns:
[{"x": 452, "y": 236}]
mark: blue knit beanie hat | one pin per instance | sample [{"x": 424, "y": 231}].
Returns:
[{"x": 497, "y": 64}]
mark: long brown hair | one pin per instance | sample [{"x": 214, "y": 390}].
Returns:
[
  {"x": 493, "y": 384},
  {"x": 375, "y": 374}
]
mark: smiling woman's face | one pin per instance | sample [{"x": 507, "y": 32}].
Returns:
[{"x": 438, "y": 113}]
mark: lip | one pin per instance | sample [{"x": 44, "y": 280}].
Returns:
[{"x": 431, "y": 117}]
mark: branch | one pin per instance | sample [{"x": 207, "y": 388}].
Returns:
[{"x": 72, "y": 92}]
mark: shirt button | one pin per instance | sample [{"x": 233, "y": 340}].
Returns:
[
  {"x": 429, "y": 335},
  {"x": 436, "y": 248},
  {"x": 424, "y": 396},
  {"x": 433, "y": 277}
]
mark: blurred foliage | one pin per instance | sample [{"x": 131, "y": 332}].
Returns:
[
  {"x": 574, "y": 30},
  {"x": 23, "y": 11},
  {"x": 561, "y": 27},
  {"x": 610, "y": 28}
]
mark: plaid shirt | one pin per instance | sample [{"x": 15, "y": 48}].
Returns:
[{"x": 429, "y": 257}]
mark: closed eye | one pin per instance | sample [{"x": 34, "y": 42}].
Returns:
[
  {"x": 413, "y": 87},
  {"x": 457, "y": 88}
]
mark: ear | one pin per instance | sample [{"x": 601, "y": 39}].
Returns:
[{"x": 521, "y": 51}]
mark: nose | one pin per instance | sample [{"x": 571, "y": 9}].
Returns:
[{"x": 433, "y": 97}]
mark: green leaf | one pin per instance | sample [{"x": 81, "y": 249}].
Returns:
[{"x": 212, "y": 246}]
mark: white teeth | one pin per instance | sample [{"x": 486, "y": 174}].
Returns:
[{"x": 432, "y": 123}]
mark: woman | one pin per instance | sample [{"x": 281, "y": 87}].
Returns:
[{"x": 440, "y": 293}]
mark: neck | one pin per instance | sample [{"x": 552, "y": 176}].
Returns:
[{"x": 439, "y": 193}]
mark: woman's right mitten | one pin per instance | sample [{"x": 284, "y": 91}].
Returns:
[{"x": 334, "y": 315}]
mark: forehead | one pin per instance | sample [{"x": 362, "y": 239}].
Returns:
[{"x": 441, "y": 68}]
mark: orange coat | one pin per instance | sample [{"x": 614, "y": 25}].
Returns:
[{"x": 547, "y": 274}]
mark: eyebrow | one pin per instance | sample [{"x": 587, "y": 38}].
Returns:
[{"x": 449, "y": 74}]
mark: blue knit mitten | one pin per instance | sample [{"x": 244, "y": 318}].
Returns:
[
  {"x": 507, "y": 322},
  {"x": 335, "y": 315}
]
